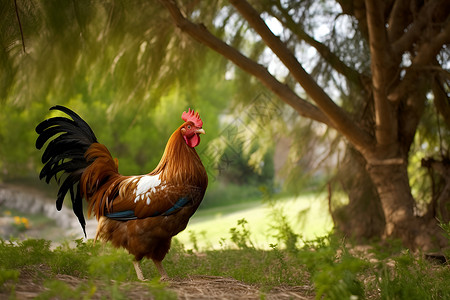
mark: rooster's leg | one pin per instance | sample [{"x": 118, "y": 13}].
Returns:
[
  {"x": 137, "y": 267},
  {"x": 161, "y": 270}
]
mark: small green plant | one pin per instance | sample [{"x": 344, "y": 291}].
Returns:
[
  {"x": 333, "y": 269},
  {"x": 112, "y": 266},
  {"x": 240, "y": 235},
  {"x": 412, "y": 277},
  {"x": 340, "y": 280},
  {"x": 159, "y": 291},
  {"x": 8, "y": 276},
  {"x": 284, "y": 232},
  {"x": 446, "y": 231},
  {"x": 74, "y": 260},
  {"x": 193, "y": 240},
  {"x": 446, "y": 228},
  {"x": 281, "y": 266},
  {"x": 15, "y": 254},
  {"x": 56, "y": 289},
  {"x": 387, "y": 248}
]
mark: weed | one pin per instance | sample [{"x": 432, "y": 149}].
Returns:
[
  {"x": 240, "y": 235},
  {"x": 27, "y": 252},
  {"x": 69, "y": 261},
  {"x": 111, "y": 266},
  {"x": 446, "y": 231},
  {"x": 282, "y": 265},
  {"x": 8, "y": 276},
  {"x": 340, "y": 280},
  {"x": 412, "y": 278},
  {"x": 159, "y": 291},
  {"x": 56, "y": 289},
  {"x": 387, "y": 248},
  {"x": 193, "y": 239},
  {"x": 446, "y": 228},
  {"x": 284, "y": 232},
  {"x": 333, "y": 269}
]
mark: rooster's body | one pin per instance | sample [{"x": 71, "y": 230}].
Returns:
[{"x": 139, "y": 213}]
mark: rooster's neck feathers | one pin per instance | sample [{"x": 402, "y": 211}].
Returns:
[{"x": 180, "y": 163}]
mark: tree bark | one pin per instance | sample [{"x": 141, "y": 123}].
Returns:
[
  {"x": 362, "y": 218},
  {"x": 439, "y": 172},
  {"x": 391, "y": 182}
]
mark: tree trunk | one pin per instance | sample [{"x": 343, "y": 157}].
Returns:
[
  {"x": 439, "y": 172},
  {"x": 362, "y": 218},
  {"x": 398, "y": 99},
  {"x": 391, "y": 181}
]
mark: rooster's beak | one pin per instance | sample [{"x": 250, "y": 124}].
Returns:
[{"x": 200, "y": 131}]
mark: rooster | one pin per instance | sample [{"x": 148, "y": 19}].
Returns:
[{"x": 139, "y": 213}]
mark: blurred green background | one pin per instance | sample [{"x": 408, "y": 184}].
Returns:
[{"x": 130, "y": 73}]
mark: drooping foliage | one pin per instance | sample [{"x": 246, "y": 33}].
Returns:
[{"x": 141, "y": 60}]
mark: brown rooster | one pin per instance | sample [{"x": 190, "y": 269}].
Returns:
[{"x": 139, "y": 213}]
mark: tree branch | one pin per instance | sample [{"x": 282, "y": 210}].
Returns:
[
  {"x": 331, "y": 58},
  {"x": 20, "y": 26},
  {"x": 399, "y": 18},
  {"x": 341, "y": 120},
  {"x": 428, "y": 51},
  {"x": 425, "y": 55},
  {"x": 356, "y": 8},
  {"x": 441, "y": 99},
  {"x": 381, "y": 66},
  {"x": 201, "y": 34},
  {"x": 404, "y": 42}
]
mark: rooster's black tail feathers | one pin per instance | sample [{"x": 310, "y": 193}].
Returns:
[{"x": 65, "y": 153}]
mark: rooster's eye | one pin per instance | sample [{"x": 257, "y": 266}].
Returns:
[{"x": 189, "y": 127}]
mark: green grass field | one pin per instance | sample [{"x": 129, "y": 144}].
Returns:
[
  {"x": 283, "y": 249},
  {"x": 308, "y": 217},
  {"x": 326, "y": 268}
]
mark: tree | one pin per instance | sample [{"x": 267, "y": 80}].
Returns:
[
  {"x": 377, "y": 73},
  {"x": 407, "y": 44}
]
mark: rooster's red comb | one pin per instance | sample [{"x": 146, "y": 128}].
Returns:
[{"x": 193, "y": 117}]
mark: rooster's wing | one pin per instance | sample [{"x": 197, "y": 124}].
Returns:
[{"x": 146, "y": 196}]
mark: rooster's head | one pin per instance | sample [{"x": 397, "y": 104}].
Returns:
[{"x": 192, "y": 128}]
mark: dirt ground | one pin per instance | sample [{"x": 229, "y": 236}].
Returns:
[
  {"x": 213, "y": 287},
  {"x": 195, "y": 287}
]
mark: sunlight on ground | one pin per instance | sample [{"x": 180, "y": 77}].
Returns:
[{"x": 307, "y": 215}]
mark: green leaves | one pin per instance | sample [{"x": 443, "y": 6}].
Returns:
[{"x": 240, "y": 235}]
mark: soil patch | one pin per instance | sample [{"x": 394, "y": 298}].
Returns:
[
  {"x": 216, "y": 287},
  {"x": 31, "y": 285}
]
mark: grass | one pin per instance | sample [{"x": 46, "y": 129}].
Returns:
[
  {"x": 325, "y": 268},
  {"x": 260, "y": 245},
  {"x": 210, "y": 228},
  {"x": 93, "y": 270}
]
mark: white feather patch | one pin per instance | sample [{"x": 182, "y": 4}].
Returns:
[{"x": 145, "y": 186}]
